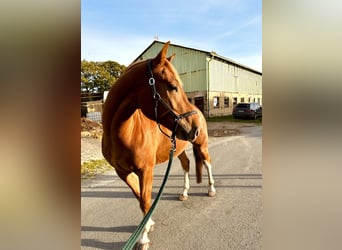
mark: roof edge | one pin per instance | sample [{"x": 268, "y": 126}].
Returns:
[{"x": 209, "y": 53}]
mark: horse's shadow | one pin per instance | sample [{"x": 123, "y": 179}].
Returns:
[
  {"x": 105, "y": 245},
  {"x": 107, "y": 194},
  {"x": 122, "y": 229},
  {"x": 101, "y": 245},
  {"x": 175, "y": 197}
]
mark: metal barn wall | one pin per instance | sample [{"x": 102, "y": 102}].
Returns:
[
  {"x": 230, "y": 84},
  {"x": 190, "y": 65},
  {"x": 210, "y": 79},
  {"x": 232, "y": 78}
]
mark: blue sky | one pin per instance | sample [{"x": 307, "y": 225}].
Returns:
[{"x": 121, "y": 30}]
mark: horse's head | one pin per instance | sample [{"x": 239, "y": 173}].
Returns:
[{"x": 172, "y": 108}]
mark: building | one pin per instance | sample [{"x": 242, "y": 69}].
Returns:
[{"x": 212, "y": 82}]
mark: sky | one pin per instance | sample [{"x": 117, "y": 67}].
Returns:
[{"x": 121, "y": 30}]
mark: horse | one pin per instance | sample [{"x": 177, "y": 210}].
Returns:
[
  {"x": 202, "y": 158},
  {"x": 145, "y": 105}
]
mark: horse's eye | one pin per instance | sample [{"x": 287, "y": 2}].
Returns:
[{"x": 174, "y": 87}]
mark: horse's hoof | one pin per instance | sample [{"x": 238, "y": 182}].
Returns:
[
  {"x": 183, "y": 197},
  {"x": 211, "y": 193},
  {"x": 139, "y": 246}
]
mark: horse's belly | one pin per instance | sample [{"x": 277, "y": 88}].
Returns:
[{"x": 164, "y": 151}]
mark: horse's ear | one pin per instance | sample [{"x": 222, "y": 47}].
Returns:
[
  {"x": 161, "y": 57},
  {"x": 170, "y": 58}
]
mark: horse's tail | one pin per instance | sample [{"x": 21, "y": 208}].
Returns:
[{"x": 199, "y": 164}]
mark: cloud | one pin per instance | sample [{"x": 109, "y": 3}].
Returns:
[
  {"x": 244, "y": 25},
  {"x": 219, "y": 26},
  {"x": 100, "y": 46}
]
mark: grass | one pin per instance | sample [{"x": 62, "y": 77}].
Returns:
[
  {"x": 90, "y": 168},
  {"x": 230, "y": 118}
]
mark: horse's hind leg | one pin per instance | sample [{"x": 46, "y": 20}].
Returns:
[
  {"x": 185, "y": 162},
  {"x": 202, "y": 157},
  {"x": 211, "y": 188}
]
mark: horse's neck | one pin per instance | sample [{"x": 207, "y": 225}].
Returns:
[{"x": 120, "y": 97}]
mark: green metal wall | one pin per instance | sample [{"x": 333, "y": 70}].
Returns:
[
  {"x": 190, "y": 65},
  {"x": 193, "y": 67},
  {"x": 232, "y": 78}
]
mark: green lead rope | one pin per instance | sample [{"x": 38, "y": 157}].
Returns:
[{"x": 133, "y": 238}]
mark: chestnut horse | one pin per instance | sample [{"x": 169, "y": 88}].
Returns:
[{"x": 142, "y": 109}]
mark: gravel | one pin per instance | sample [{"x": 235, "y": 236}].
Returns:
[{"x": 90, "y": 149}]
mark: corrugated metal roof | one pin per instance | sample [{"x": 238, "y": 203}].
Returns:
[{"x": 211, "y": 54}]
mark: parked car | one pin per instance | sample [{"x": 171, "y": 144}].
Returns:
[{"x": 247, "y": 110}]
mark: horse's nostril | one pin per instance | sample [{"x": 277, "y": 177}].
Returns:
[{"x": 197, "y": 132}]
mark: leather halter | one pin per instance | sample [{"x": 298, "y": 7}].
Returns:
[{"x": 157, "y": 98}]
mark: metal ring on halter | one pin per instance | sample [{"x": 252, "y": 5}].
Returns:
[
  {"x": 156, "y": 96},
  {"x": 151, "y": 81}
]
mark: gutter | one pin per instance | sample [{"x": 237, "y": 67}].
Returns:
[{"x": 208, "y": 81}]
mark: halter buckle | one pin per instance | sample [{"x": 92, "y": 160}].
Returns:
[
  {"x": 156, "y": 96},
  {"x": 151, "y": 81},
  {"x": 173, "y": 144}
]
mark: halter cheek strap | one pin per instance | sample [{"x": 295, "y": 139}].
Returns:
[{"x": 157, "y": 98}]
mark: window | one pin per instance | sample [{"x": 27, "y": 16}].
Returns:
[
  {"x": 234, "y": 101},
  {"x": 226, "y": 102},
  {"x": 216, "y": 102},
  {"x": 242, "y": 99}
]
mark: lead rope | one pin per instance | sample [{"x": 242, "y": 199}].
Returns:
[{"x": 134, "y": 236}]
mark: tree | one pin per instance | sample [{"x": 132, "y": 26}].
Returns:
[{"x": 97, "y": 77}]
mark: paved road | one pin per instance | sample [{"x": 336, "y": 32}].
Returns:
[{"x": 230, "y": 220}]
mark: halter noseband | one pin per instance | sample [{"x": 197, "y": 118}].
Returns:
[{"x": 157, "y": 98}]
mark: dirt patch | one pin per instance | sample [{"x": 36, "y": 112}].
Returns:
[
  {"x": 220, "y": 129},
  {"x": 90, "y": 128},
  {"x": 223, "y": 132}
]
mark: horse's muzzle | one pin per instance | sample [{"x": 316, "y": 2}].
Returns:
[
  {"x": 188, "y": 135},
  {"x": 184, "y": 130}
]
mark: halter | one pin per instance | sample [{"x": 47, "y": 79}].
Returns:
[{"x": 157, "y": 98}]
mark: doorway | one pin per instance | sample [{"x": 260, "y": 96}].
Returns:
[{"x": 199, "y": 102}]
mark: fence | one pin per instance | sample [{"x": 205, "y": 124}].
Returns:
[
  {"x": 92, "y": 110},
  {"x": 91, "y": 106}
]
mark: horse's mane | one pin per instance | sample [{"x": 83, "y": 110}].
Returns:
[
  {"x": 134, "y": 64},
  {"x": 114, "y": 100}
]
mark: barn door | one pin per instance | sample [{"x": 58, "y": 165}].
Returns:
[{"x": 199, "y": 102}]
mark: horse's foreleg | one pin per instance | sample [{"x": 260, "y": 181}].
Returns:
[
  {"x": 211, "y": 188},
  {"x": 132, "y": 181},
  {"x": 145, "y": 178},
  {"x": 185, "y": 162}
]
